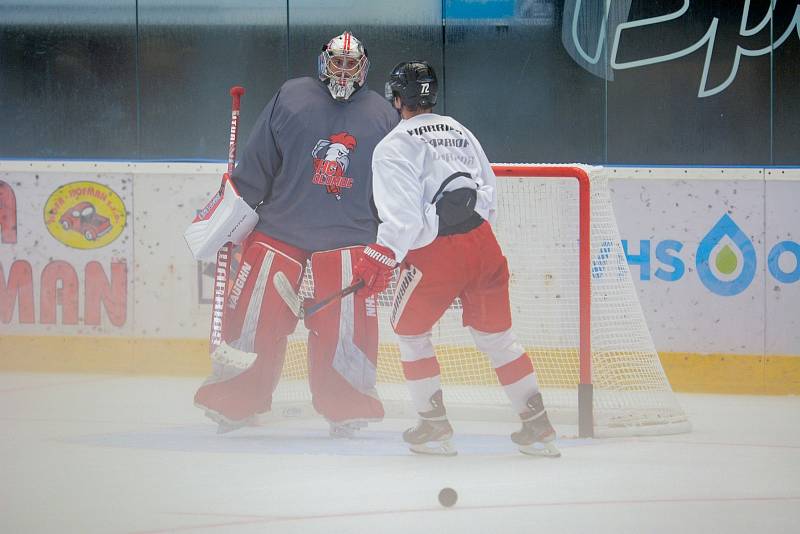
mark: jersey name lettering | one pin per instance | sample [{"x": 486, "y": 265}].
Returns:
[
  {"x": 459, "y": 143},
  {"x": 447, "y": 156},
  {"x": 432, "y": 128}
]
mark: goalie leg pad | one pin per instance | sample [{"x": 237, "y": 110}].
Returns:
[
  {"x": 343, "y": 343},
  {"x": 257, "y": 320}
]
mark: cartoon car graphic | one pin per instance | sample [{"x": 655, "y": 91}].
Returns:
[{"x": 84, "y": 219}]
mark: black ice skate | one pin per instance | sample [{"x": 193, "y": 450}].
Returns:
[
  {"x": 537, "y": 435},
  {"x": 433, "y": 431}
]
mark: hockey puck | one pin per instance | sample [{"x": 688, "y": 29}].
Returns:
[{"x": 448, "y": 497}]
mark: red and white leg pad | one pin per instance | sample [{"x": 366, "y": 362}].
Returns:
[
  {"x": 342, "y": 343},
  {"x": 256, "y": 321}
]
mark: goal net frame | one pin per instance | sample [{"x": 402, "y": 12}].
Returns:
[
  {"x": 585, "y": 386},
  {"x": 292, "y": 396}
]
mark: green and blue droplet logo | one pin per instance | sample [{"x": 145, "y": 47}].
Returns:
[{"x": 726, "y": 259}]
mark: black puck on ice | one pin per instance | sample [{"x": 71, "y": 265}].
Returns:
[{"x": 448, "y": 497}]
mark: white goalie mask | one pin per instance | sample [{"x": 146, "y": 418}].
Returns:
[{"x": 343, "y": 65}]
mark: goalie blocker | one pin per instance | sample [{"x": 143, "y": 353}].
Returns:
[{"x": 226, "y": 218}]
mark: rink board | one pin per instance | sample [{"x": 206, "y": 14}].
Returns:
[
  {"x": 693, "y": 373},
  {"x": 133, "y": 300}
]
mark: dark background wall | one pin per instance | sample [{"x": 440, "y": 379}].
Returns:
[{"x": 679, "y": 82}]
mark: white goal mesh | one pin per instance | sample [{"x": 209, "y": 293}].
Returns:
[{"x": 538, "y": 228}]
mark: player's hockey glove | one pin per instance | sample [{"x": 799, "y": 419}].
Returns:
[{"x": 375, "y": 268}]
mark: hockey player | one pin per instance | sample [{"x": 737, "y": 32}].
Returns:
[
  {"x": 435, "y": 194},
  {"x": 306, "y": 171}
]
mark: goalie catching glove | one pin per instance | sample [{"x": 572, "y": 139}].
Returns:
[
  {"x": 375, "y": 268},
  {"x": 226, "y": 218}
]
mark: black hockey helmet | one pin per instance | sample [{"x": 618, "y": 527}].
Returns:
[{"x": 415, "y": 83}]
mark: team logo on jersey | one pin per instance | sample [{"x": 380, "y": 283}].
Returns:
[{"x": 331, "y": 159}]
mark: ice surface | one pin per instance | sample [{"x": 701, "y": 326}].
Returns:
[{"x": 120, "y": 454}]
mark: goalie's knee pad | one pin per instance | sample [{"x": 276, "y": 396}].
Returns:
[{"x": 343, "y": 342}]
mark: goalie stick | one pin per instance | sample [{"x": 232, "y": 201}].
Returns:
[
  {"x": 295, "y": 302},
  {"x": 223, "y": 266}
]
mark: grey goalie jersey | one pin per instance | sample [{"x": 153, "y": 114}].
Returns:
[{"x": 306, "y": 167}]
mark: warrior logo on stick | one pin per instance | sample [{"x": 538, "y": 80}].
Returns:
[{"x": 331, "y": 159}]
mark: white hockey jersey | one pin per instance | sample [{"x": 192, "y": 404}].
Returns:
[{"x": 409, "y": 167}]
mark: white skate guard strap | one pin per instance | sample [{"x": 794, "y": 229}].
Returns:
[{"x": 226, "y": 218}]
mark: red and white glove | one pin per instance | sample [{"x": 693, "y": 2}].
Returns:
[{"x": 375, "y": 268}]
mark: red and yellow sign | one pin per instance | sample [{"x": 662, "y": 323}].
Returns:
[{"x": 84, "y": 215}]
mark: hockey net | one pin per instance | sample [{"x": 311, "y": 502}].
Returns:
[{"x": 539, "y": 223}]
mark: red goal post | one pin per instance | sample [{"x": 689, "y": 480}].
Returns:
[{"x": 585, "y": 408}]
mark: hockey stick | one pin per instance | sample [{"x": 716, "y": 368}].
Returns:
[
  {"x": 223, "y": 267},
  {"x": 284, "y": 288}
]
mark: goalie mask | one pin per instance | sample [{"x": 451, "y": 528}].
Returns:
[
  {"x": 343, "y": 65},
  {"x": 415, "y": 83}
]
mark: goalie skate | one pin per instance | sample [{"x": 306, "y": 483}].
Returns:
[
  {"x": 537, "y": 435},
  {"x": 433, "y": 432},
  {"x": 345, "y": 429},
  {"x": 225, "y": 425}
]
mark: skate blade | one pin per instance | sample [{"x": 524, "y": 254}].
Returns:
[
  {"x": 225, "y": 425},
  {"x": 349, "y": 428},
  {"x": 434, "y": 448},
  {"x": 342, "y": 432},
  {"x": 547, "y": 449}
]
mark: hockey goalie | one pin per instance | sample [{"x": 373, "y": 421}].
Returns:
[{"x": 305, "y": 174}]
